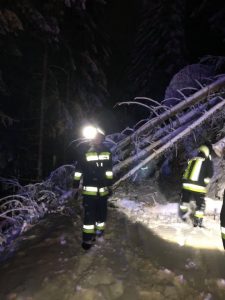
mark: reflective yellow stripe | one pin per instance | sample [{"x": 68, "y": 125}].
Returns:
[
  {"x": 89, "y": 193},
  {"x": 194, "y": 188},
  {"x": 88, "y": 228},
  {"x": 103, "y": 191},
  {"x": 183, "y": 208},
  {"x": 186, "y": 173},
  {"x": 199, "y": 214},
  {"x": 91, "y": 156},
  {"x": 92, "y": 190},
  {"x": 196, "y": 169},
  {"x": 104, "y": 156},
  {"x": 77, "y": 175},
  {"x": 109, "y": 174},
  {"x": 100, "y": 226}
]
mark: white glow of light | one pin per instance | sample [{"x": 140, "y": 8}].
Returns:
[
  {"x": 163, "y": 220},
  {"x": 89, "y": 132}
]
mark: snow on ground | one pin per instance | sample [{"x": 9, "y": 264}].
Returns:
[
  {"x": 132, "y": 262},
  {"x": 163, "y": 220}
]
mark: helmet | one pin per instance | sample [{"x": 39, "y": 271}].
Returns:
[{"x": 205, "y": 150}]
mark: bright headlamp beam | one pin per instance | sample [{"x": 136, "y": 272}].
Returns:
[{"x": 89, "y": 132}]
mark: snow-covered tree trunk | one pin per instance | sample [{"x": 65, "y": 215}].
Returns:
[
  {"x": 172, "y": 142},
  {"x": 219, "y": 147},
  {"x": 200, "y": 95}
]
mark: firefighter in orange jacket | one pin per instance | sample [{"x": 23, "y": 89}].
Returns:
[
  {"x": 95, "y": 169},
  {"x": 194, "y": 184}
]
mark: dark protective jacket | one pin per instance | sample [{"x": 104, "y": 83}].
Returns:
[
  {"x": 95, "y": 169},
  {"x": 197, "y": 174}
]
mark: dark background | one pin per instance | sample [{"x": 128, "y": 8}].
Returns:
[{"x": 64, "y": 63}]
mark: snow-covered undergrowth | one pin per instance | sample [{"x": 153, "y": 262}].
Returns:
[
  {"x": 31, "y": 202},
  {"x": 164, "y": 221}
]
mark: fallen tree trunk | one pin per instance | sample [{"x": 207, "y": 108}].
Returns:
[
  {"x": 172, "y": 142},
  {"x": 177, "y": 125},
  {"x": 204, "y": 93}
]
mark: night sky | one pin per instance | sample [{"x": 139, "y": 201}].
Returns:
[{"x": 64, "y": 64}]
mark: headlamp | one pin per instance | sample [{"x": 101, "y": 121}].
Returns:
[{"x": 89, "y": 132}]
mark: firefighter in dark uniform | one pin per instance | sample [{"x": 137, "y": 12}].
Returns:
[
  {"x": 95, "y": 169},
  {"x": 194, "y": 185},
  {"x": 222, "y": 221}
]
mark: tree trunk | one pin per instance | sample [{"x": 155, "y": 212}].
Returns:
[
  {"x": 159, "y": 152},
  {"x": 42, "y": 113},
  {"x": 219, "y": 147}
]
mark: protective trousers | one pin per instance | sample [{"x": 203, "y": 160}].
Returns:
[
  {"x": 199, "y": 199},
  {"x": 95, "y": 214}
]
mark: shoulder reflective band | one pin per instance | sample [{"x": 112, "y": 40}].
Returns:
[
  {"x": 100, "y": 226},
  {"x": 196, "y": 169},
  {"x": 89, "y": 228},
  {"x": 91, "y": 156},
  {"x": 77, "y": 175},
  {"x": 104, "y": 156},
  {"x": 223, "y": 232},
  {"x": 194, "y": 188},
  {"x": 199, "y": 214},
  {"x": 109, "y": 174},
  {"x": 207, "y": 180},
  {"x": 187, "y": 171}
]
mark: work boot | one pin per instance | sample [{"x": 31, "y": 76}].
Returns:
[
  {"x": 197, "y": 222},
  {"x": 87, "y": 245}
]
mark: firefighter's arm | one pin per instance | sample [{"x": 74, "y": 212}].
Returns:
[
  {"x": 109, "y": 174},
  {"x": 77, "y": 176},
  {"x": 210, "y": 171}
]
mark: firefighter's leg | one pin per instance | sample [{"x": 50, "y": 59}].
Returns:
[
  {"x": 200, "y": 209},
  {"x": 222, "y": 222},
  {"x": 101, "y": 215},
  {"x": 184, "y": 205},
  {"x": 89, "y": 204}
]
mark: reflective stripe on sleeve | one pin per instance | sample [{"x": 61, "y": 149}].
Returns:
[
  {"x": 194, "y": 188},
  {"x": 207, "y": 180},
  {"x": 103, "y": 191},
  {"x": 109, "y": 174},
  {"x": 77, "y": 175},
  {"x": 89, "y": 228},
  {"x": 183, "y": 208}
]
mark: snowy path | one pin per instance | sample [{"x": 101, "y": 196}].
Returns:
[{"x": 132, "y": 263}]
